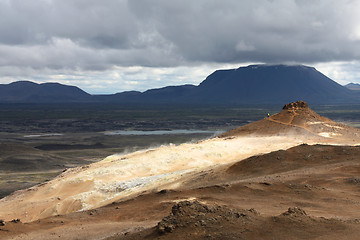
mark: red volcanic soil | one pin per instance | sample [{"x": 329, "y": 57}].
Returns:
[{"x": 305, "y": 192}]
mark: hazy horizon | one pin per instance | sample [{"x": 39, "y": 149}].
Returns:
[{"x": 184, "y": 83}]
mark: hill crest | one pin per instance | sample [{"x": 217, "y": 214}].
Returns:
[{"x": 297, "y": 118}]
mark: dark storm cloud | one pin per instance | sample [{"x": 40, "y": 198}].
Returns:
[
  {"x": 230, "y": 31},
  {"x": 92, "y": 35}
]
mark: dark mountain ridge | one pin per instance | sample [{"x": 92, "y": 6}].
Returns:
[
  {"x": 353, "y": 86},
  {"x": 254, "y": 84},
  {"x": 30, "y": 92}
]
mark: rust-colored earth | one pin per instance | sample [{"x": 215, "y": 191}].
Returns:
[{"x": 308, "y": 191}]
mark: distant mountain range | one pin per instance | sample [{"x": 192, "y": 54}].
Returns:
[
  {"x": 353, "y": 86},
  {"x": 254, "y": 84}
]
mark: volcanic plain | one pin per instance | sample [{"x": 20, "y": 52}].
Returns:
[{"x": 293, "y": 175}]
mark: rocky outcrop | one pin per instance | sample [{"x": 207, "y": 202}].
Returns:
[
  {"x": 296, "y": 105},
  {"x": 295, "y": 211},
  {"x": 188, "y": 214}
]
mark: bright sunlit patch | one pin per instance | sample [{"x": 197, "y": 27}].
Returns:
[{"x": 329, "y": 134}]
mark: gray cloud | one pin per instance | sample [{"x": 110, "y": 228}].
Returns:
[
  {"x": 91, "y": 35},
  {"x": 230, "y": 31}
]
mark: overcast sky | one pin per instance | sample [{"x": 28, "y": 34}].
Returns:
[{"x": 110, "y": 46}]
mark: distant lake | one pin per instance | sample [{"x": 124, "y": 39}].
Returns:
[
  {"x": 160, "y": 132},
  {"x": 43, "y": 135}
]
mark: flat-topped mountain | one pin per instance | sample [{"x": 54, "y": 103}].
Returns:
[{"x": 272, "y": 84}]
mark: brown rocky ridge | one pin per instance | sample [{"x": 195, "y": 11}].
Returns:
[{"x": 297, "y": 118}]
